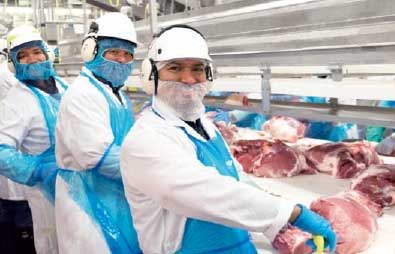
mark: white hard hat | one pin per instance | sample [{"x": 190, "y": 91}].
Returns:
[
  {"x": 178, "y": 42},
  {"x": 22, "y": 34},
  {"x": 116, "y": 25}
]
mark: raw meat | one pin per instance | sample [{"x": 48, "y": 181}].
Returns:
[
  {"x": 284, "y": 128},
  {"x": 378, "y": 183},
  {"x": 270, "y": 159},
  {"x": 291, "y": 240},
  {"x": 342, "y": 160},
  {"x": 353, "y": 217}
]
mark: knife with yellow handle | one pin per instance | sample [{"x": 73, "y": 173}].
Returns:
[{"x": 319, "y": 243}]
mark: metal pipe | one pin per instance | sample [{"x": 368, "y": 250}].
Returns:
[
  {"x": 265, "y": 90},
  {"x": 154, "y": 16},
  {"x": 85, "y": 19}
]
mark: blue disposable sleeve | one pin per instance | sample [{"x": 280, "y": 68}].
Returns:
[{"x": 18, "y": 166}]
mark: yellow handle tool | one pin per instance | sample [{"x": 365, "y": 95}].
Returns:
[{"x": 319, "y": 242}]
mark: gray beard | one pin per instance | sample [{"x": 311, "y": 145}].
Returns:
[{"x": 185, "y": 100}]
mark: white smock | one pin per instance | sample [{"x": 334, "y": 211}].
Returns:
[
  {"x": 9, "y": 189},
  {"x": 83, "y": 133},
  {"x": 165, "y": 183}
]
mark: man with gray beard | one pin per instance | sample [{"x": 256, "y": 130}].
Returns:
[{"x": 182, "y": 184}]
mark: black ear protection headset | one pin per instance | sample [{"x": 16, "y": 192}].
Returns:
[
  {"x": 89, "y": 44},
  {"x": 154, "y": 73}
]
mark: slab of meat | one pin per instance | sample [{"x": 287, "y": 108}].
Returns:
[
  {"x": 284, "y": 128},
  {"x": 352, "y": 216},
  {"x": 291, "y": 240},
  {"x": 378, "y": 183},
  {"x": 342, "y": 160},
  {"x": 270, "y": 159}
]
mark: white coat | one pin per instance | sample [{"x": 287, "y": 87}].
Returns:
[
  {"x": 165, "y": 183},
  {"x": 8, "y": 189},
  {"x": 83, "y": 133},
  {"x": 22, "y": 125}
]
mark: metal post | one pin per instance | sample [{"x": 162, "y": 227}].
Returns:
[
  {"x": 154, "y": 16},
  {"x": 34, "y": 7},
  {"x": 85, "y": 19},
  {"x": 265, "y": 89}
]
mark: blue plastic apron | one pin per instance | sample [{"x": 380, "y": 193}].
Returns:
[
  {"x": 102, "y": 198},
  {"x": 203, "y": 237},
  {"x": 50, "y": 107},
  {"x": 207, "y": 237}
]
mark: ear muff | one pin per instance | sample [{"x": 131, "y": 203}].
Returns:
[
  {"x": 209, "y": 75},
  {"x": 149, "y": 76},
  {"x": 89, "y": 44}
]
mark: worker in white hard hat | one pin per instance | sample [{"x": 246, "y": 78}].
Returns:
[
  {"x": 182, "y": 183},
  {"x": 15, "y": 218},
  {"x": 27, "y": 125},
  {"x": 91, "y": 208}
]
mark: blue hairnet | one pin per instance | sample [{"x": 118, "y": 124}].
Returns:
[
  {"x": 114, "y": 72},
  {"x": 34, "y": 71}
]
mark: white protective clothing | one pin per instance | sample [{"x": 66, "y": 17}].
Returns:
[
  {"x": 82, "y": 135},
  {"x": 165, "y": 183},
  {"x": 22, "y": 125},
  {"x": 8, "y": 189}
]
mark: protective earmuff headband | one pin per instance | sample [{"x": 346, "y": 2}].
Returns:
[{"x": 89, "y": 44}]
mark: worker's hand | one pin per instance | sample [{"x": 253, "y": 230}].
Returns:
[
  {"x": 222, "y": 116},
  {"x": 387, "y": 146},
  {"x": 315, "y": 224}
]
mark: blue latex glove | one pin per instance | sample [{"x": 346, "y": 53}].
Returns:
[
  {"x": 387, "y": 146},
  {"x": 109, "y": 165},
  {"x": 222, "y": 116},
  {"x": 315, "y": 224}
]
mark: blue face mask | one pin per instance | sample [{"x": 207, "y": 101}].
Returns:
[
  {"x": 34, "y": 71},
  {"x": 114, "y": 72}
]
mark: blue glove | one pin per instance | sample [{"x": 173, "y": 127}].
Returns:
[
  {"x": 222, "y": 116},
  {"x": 387, "y": 146},
  {"x": 315, "y": 224}
]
